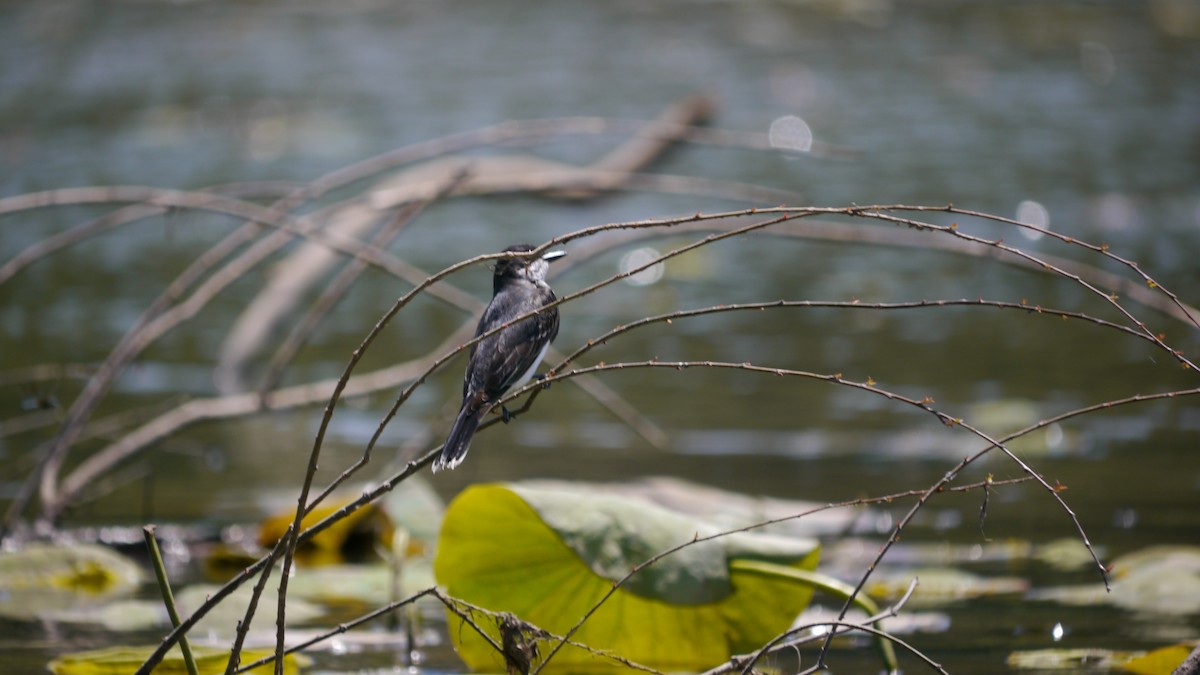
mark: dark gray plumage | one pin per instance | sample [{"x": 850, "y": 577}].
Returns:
[{"x": 508, "y": 358}]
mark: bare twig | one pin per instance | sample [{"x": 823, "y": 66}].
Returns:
[
  {"x": 342, "y": 283},
  {"x": 344, "y": 627},
  {"x": 788, "y": 640},
  {"x": 923, "y": 495},
  {"x": 456, "y": 606}
]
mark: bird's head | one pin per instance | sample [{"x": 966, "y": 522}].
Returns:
[{"x": 523, "y": 268}]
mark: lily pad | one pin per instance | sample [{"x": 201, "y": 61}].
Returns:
[
  {"x": 1066, "y": 554},
  {"x": 1159, "y": 580},
  {"x": 41, "y": 579},
  {"x": 124, "y": 660},
  {"x": 222, "y": 620},
  {"x": 1074, "y": 660},
  {"x": 349, "y": 537},
  {"x": 366, "y": 584},
  {"x": 550, "y": 556},
  {"x": 941, "y": 585},
  {"x": 413, "y": 508},
  {"x": 723, "y": 508},
  {"x": 1162, "y": 661},
  {"x": 117, "y": 616}
]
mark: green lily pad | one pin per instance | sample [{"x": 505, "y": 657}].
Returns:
[
  {"x": 41, "y": 579},
  {"x": 222, "y": 620},
  {"x": 549, "y": 556},
  {"x": 724, "y": 508},
  {"x": 365, "y": 584},
  {"x": 1161, "y": 661},
  {"x": 941, "y": 585},
  {"x": 124, "y": 660},
  {"x": 1066, "y": 554},
  {"x": 1160, "y": 580},
  {"x": 1074, "y": 660},
  {"x": 117, "y": 616}
]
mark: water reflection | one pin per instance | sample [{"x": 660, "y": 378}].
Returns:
[
  {"x": 1098, "y": 62},
  {"x": 983, "y": 105}
]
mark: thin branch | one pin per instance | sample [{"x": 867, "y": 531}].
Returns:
[
  {"x": 787, "y": 640},
  {"x": 923, "y": 495},
  {"x": 345, "y": 627},
  {"x": 453, "y": 604},
  {"x": 154, "y": 322},
  {"x": 48, "y": 469},
  {"x": 123, "y": 216},
  {"x": 341, "y": 285},
  {"x": 1102, "y": 249},
  {"x": 1000, "y": 245}
]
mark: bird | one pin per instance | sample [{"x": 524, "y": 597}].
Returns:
[{"x": 509, "y": 357}]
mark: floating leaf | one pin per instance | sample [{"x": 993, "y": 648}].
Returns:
[
  {"x": 549, "y": 556},
  {"x": 1073, "y": 660},
  {"x": 1161, "y": 661},
  {"x": 351, "y": 535},
  {"x": 1015, "y": 413},
  {"x": 222, "y": 619},
  {"x": 941, "y": 585},
  {"x": 851, "y": 553},
  {"x": 1066, "y": 554},
  {"x": 723, "y": 508},
  {"x": 41, "y": 578},
  {"x": 1160, "y": 580},
  {"x": 1155, "y": 559},
  {"x": 368, "y": 584},
  {"x": 904, "y": 623},
  {"x": 413, "y": 507},
  {"x": 118, "y": 616},
  {"x": 330, "y": 584},
  {"x": 416, "y": 508},
  {"x": 125, "y": 660}
]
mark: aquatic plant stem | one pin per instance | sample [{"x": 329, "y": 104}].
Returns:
[{"x": 164, "y": 586}]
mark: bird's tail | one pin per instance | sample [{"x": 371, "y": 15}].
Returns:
[{"x": 459, "y": 440}]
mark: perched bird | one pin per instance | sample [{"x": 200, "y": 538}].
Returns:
[{"x": 509, "y": 357}]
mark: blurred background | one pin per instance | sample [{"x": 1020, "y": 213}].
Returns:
[{"x": 1080, "y": 117}]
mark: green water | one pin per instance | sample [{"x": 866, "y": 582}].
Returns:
[{"x": 1088, "y": 111}]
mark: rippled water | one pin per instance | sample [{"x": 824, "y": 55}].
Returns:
[{"x": 1081, "y": 117}]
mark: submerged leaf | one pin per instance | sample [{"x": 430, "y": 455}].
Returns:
[{"x": 550, "y": 556}]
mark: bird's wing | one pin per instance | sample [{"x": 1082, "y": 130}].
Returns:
[{"x": 499, "y": 361}]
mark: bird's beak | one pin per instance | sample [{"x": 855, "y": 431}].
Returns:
[{"x": 551, "y": 256}]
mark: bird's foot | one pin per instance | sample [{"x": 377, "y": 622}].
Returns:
[
  {"x": 538, "y": 377},
  {"x": 505, "y": 416}
]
